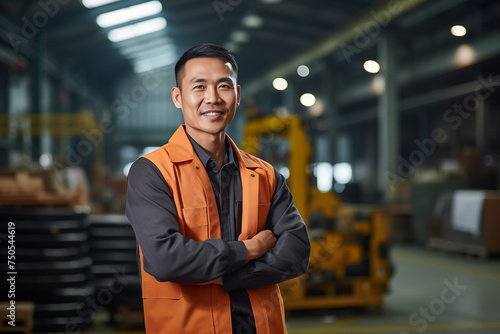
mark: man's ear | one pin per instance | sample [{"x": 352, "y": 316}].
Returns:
[
  {"x": 176, "y": 97},
  {"x": 238, "y": 95}
]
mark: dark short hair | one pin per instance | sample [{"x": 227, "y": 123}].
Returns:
[{"x": 201, "y": 51}]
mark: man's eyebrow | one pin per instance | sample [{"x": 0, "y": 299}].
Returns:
[
  {"x": 195, "y": 80},
  {"x": 224, "y": 79}
]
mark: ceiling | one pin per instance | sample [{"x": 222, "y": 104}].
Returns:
[{"x": 73, "y": 38}]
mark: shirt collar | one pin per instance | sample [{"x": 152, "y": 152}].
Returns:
[{"x": 229, "y": 157}]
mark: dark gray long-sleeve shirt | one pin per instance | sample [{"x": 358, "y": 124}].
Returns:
[{"x": 170, "y": 256}]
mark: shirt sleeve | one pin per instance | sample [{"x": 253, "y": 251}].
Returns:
[
  {"x": 168, "y": 255},
  {"x": 289, "y": 258}
]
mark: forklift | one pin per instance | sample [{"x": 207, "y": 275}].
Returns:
[{"x": 349, "y": 263}]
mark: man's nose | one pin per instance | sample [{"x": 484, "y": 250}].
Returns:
[{"x": 211, "y": 95}]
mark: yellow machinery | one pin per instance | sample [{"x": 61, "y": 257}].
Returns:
[{"x": 349, "y": 263}]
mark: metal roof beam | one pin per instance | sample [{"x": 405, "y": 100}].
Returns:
[{"x": 392, "y": 9}]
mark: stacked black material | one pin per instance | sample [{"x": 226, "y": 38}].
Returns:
[
  {"x": 52, "y": 265},
  {"x": 116, "y": 273}
]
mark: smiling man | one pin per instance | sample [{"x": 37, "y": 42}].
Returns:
[{"x": 216, "y": 227}]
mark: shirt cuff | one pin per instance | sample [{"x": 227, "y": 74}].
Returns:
[
  {"x": 239, "y": 255},
  {"x": 239, "y": 258}
]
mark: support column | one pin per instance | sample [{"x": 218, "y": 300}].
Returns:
[
  {"x": 5, "y": 139},
  {"x": 289, "y": 99},
  {"x": 388, "y": 117},
  {"x": 331, "y": 111},
  {"x": 36, "y": 93},
  {"x": 481, "y": 129}
]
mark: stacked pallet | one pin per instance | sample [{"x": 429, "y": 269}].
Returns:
[{"x": 41, "y": 189}]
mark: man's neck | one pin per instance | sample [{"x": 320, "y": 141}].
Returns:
[{"x": 213, "y": 144}]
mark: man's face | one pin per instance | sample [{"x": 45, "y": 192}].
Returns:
[{"x": 208, "y": 95}]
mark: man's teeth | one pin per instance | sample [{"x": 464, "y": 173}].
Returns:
[{"x": 212, "y": 113}]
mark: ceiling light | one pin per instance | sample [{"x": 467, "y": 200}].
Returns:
[
  {"x": 149, "y": 64},
  {"x": 308, "y": 99},
  {"x": 378, "y": 84},
  {"x": 324, "y": 176},
  {"x": 129, "y": 14},
  {"x": 252, "y": 21},
  {"x": 371, "y": 66},
  {"x": 458, "y": 30},
  {"x": 464, "y": 55},
  {"x": 143, "y": 45},
  {"x": 166, "y": 50},
  {"x": 280, "y": 84},
  {"x": 270, "y": 1},
  {"x": 96, "y": 3},
  {"x": 137, "y": 29},
  {"x": 240, "y": 36},
  {"x": 342, "y": 172},
  {"x": 233, "y": 47},
  {"x": 303, "y": 70}
]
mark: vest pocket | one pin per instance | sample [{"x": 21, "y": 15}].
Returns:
[
  {"x": 196, "y": 223},
  {"x": 155, "y": 289}
]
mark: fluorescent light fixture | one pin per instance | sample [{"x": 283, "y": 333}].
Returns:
[
  {"x": 464, "y": 56},
  {"x": 142, "y": 45},
  {"x": 232, "y": 46},
  {"x": 240, "y": 36},
  {"x": 324, "y": 176},
  {"x": 137, "y": 29},
  {"x": 303, "y": 71},
  {"x": 378, "y": 84},
  {"x": 149, "y": 64},
  {"x": 342, "y": 172},
  {"x": 285, "y": 171},
  {"x": 96, "y": 3},
  {"x": 128, "y": 14},
  {"x": 280, "y": 84},
  {"x": 308, "y": 99},
  {"x": 165, "y": 50},
  {"x": 371, "y": 66},
  {"x": 252, "y": 21},
  {"x": 458, "y": 30}
]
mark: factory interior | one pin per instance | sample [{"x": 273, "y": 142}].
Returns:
[{"x": 382, "y": 115}]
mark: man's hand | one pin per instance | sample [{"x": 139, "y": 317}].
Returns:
[{"x": 260, "y": 244}]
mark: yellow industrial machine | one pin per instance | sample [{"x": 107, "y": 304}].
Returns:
[{"x": 349, "y": 263}]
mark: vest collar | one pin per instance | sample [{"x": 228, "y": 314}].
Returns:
[{"x": 181, "y": 149}]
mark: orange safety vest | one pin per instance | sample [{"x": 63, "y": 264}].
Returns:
[{"x": 171, "y": 308}]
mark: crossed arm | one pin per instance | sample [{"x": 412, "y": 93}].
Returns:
[{"x": 279, "y": 252}]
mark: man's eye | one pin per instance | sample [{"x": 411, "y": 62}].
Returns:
[
  {"x": 224, "y": 86},
  {"x": 198, "y": 87}
]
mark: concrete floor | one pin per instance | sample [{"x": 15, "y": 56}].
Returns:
[{"x": 432, "y": 292}]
